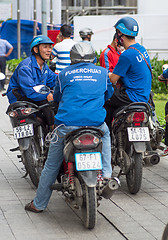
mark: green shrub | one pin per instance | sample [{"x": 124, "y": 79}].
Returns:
[
  {"x": 157, "y": 86},
  {"x": 12, "y": 64}
]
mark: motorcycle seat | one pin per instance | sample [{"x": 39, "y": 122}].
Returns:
[
  {"x": 83, "y": 130},
  {"x": 18, "y": 104},
  {"x": 137, "y": 106}
]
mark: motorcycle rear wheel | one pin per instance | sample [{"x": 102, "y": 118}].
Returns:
[
  {"x": 89, "y": 206},
  {"x": 134, "y": 175},
  {"x": 33, "y": 165}
]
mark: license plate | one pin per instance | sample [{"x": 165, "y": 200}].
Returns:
[
  {"x": 138, "y": 134},
  {"x": 88, "y": 161},
  {"x": 23, "y": 131}
]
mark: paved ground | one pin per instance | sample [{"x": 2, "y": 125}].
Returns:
[{"x": 125, "y": 216}]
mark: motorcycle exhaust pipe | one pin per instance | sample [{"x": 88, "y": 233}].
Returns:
[
  {"x": 110, "y": 188},
  {"x": 152, "y": 159},
  {"x": 159, "y": 135}
]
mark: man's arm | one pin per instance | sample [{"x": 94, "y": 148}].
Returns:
[
  {"x": 9, "y": 52},
  {"x": 113, "y": 78}
]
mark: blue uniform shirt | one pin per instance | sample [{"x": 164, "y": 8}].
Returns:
[
  {"x": 165, "y": 73},
  {"x": 26, "y": 76},
  {"x": 135, "y": 73},
  {"x": 81, "y": 90}
]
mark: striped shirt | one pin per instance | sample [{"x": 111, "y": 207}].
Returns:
[{"x": 62, "y": 53}]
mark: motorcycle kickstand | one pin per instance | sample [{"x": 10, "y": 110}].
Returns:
[
  {"x": 120, "y": 173},
  {"x": 25, "y": 175}
]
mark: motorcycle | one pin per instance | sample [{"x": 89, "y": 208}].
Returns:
[
  {"x": 30, "y": 131},
  {"x": 130, "y": 133},
  {"x": 156, "y": 130},
  {"x": 81, "y": 179}
]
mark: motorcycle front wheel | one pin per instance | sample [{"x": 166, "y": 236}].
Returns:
[
  {"x": 89, "y": 206},
  {"x": 134, "y": 175},
  {"x": 33, "y": 164}
]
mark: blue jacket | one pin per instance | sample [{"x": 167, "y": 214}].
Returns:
[
  {"x": 26, "y": 76},
  {"x": 81, "y": 90}
]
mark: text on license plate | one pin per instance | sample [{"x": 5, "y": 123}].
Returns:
[
  {"x": 140, "y": 134},
  {"x": 88, "y": 161},
  {"x": 23, "y": 131}
]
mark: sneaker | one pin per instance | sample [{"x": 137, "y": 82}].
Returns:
[{"x": 165, "y": 152}]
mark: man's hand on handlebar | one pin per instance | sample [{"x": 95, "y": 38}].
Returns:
[
  {"x": 50, "y": 97},
  {"x": 162, "y": 79}
]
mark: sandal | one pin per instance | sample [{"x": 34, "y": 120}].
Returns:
[{"x": 28, "y": 207}]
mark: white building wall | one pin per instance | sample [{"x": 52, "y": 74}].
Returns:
[
  {"x": 153, "y": 33},
  {"x": 152, "y": 6}
]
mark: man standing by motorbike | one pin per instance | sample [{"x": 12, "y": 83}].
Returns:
[
  {"x": 133, "y": 68},
  {"x": 81, "y": 90},
  {"x": 31, "y": 72}
]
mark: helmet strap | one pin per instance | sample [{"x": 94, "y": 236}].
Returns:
[{"x": 38, "y": 53}]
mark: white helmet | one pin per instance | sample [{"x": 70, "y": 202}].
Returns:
[{"x": 85, "y": 32}]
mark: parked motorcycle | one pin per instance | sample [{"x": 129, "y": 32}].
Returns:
[
  {"x": 130, "y": 133},
  {"x": 81, "y": 179},
  {"x": 30, "y": 131},
  {"x": 156, "y": 130}
]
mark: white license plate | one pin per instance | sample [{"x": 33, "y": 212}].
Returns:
[
  {"x": 138, "y": 134},
  {"x": 23, "y": 131},
  {"x": 88, "y": 161}
]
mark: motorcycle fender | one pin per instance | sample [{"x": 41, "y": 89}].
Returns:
[
  {"x": 24, "y": 143},
  {"x": 89, "y": 177},
  {"x": 139, "y": 147}
]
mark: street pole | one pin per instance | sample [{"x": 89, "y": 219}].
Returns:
[
  {"x": 51, "y": 15},
  {"x": 35, "y": 20},
  {"x": 67, "y": 11},
  {"x": 44, "y": 18},
  {"x": 18, "y": 28}
]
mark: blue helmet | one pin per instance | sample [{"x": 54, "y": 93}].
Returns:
[
  {"x": 128, "y": 26},
  {"x": 40, "y": 39}
]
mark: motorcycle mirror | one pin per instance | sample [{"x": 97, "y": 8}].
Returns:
[
  {"x": 2, "y": 76},
  {"x": 164, "y": 67},
  {"x": 41, "y": 89}
]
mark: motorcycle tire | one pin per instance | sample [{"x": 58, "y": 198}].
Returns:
[
  {"x": 134, "y": 175},
  {"x": 32, "y": 163},
  {"x": 165, "y": 233},
  {"x": 89, "y": 206}
]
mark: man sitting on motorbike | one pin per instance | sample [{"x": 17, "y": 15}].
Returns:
[
  {"x": 31, "y": 72},
  {"x": 164, "y": 78},
  {"x": 81, "y": 90},
  {"x": 133, "y": 69}
]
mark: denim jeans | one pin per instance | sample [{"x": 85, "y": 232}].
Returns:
[{"x": 55, "y": 158}]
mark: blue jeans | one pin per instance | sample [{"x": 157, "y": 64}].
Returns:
[{"x": 55, "y": 159}]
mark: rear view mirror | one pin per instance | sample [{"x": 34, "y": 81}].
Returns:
[{"x": 2, "y": 76}]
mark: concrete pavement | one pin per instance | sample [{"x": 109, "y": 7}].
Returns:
[{"x": 125, "y": 216}]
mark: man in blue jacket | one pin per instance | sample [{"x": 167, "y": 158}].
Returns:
[
  {"x": 31, "y": 72},
  {"x": 81, "y": 90}
]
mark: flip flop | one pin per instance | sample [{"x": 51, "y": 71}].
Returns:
[{"x": 28, "y": 207}]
